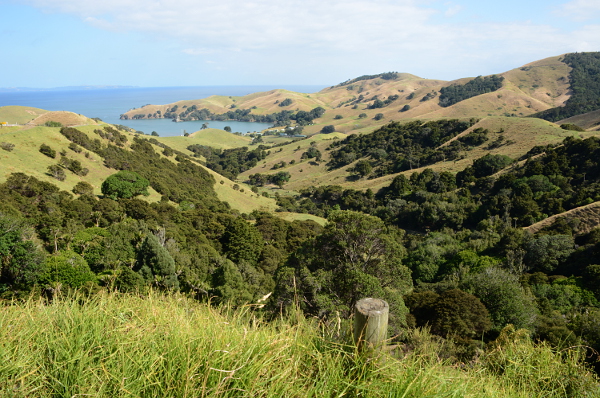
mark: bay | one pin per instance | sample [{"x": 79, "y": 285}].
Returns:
[{"x": 109, "y": 103}]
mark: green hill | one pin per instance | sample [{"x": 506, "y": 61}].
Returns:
[{"x": 19, "y": 114}]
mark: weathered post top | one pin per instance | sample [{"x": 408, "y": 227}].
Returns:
[{"x": 370, "y": 322}]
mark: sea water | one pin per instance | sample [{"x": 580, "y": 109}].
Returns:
[{"x": 109, "y": 103}]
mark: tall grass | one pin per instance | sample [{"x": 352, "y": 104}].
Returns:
[{"x": 168, "y": 346}]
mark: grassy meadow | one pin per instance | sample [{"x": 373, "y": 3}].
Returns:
[{"x": 110, "y": 345}]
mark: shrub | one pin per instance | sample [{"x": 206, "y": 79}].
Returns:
[
  {"x": 125, "y": 184},
  {"x": 46, "y": 150},
  {"x": 7, "y": 146}
]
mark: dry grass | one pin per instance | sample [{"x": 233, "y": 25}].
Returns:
[
  {"x": 64, "y": 117},
  {"x": 588, "y": 216},
  {"x": 535, "y": 87},
  {"x": 19, "y": 114}
]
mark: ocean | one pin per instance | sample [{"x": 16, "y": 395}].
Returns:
[{"x": 109, "y": 103}]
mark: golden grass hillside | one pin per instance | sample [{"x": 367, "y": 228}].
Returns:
[
  {"x": 523, "y": 133},
  {"x": 64, "y": 117},
  {"x": 531, "y": 88}
]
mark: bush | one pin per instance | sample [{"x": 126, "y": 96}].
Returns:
[
  {"x": 83, "y": 188},
  {"x": 51, "y": 123},
  {"x": 57, "y": 172},
  {"x": 7, "y": 146},
  {"x": 67, "y": 268},
  {"x": 125, "y": 184},
  {"x": 327, "y": 129},
  {"x": 378, "y": 116},
  {"x": 46, "y": 150}
]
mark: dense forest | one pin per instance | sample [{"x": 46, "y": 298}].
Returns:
[
  {"x": 584, "y": 84},
  {"x": 399, "y": 146},
  {"x": 446, "y": 251},
  {"x": 459, "y": 92}
]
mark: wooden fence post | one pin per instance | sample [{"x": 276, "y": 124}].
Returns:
[{"x": 370, "y": 323}]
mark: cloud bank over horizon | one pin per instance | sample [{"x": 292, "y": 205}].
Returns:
[{"x": 199, "y": 42}]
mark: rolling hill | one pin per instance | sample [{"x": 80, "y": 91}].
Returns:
[{"x": 352, "y": 106}]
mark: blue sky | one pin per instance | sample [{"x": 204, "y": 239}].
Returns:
[{"x": 152, "y": 43}]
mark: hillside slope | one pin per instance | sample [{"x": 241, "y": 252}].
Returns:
[{"x": 362, "y": 104}]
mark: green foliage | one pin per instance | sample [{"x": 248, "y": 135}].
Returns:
[
  {"x": 504, "y": 297},
  {"x": 155, "y": 264},
  {"x": 459, "y": 92},
  {"x": 242, "y": 241},
  {"x": 452, "y": 313},
  {"x": 356, "y": 256},
  {"x": 546, "y": 252},
  {"x": 327, "y": 129},
  {"x": 378, "y": 116},
  {"x": 167, "y": 337},
  {"x": 280, "y": 178},
  {"x": 584, "y": 84},
  {"x": 548, "y": 371},
  {"x": 67, "y": 268},
  {"x": 311, "y": 153},
  {"x": 83, "y": 188},
  {"x": 7, "y": 146},
  {"x": 571, "y": 127},
  {"x": 124, "y": 184},
  {"x": 21, "y": 257},
  {"x": 229, "y": 162},
  {"x": 51, "y": 123},
  {"x": 407, "y": 145},
  {"x": 48, "y": 151},
  {"x": 363, "y": 168},
  {"x": 285, "y": 102},
  {"x": 384, "y": 76},
  {"x": 57, "y": 172}
]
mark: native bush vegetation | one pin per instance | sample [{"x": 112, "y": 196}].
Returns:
[
  {"x": 584, "y": 85},
  {"x": 453, "y": 94},
  {"x": 448, "y": 252}
]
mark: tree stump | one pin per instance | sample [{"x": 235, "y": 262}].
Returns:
[{"x": 370, "y": 323}]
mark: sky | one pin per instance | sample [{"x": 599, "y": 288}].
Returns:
[{"x": 156, "y": 43}]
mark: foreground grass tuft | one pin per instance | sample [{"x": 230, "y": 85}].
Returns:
[{"x": 169, "y": 346}]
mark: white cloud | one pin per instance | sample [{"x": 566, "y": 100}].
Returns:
[
  {"x": 452, "y": 9},
  {"x": 350, "y": 36},
  {"x": 581, "y": 10}
]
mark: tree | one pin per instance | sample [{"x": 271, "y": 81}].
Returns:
[
  {"x": 67, "y": 268},
  {"x": 21, "y": 258},
  {"x": 125, "y": 184},
  {"x": 546, "y": 252},
  {"x": 452, "y": 312},
  {"x": 227, "y": 128},
  {"x": 57, "y": 172},
  {"x": 242, "y": 241},
  {"x": 280, "y": 178},
  {"x": 363, "y": 168},
  {"x": 327, "y": 129},
  {"x": 155, "y": 264},
  {"x": 356, "y": 256},
  {"x": 48, "y": 151},
  {"x": 83, "y": 188},
  {"x": 504, "y": 297},
  {"x": 378, "y": 116},
  {"x": 154, "y": 134}
]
